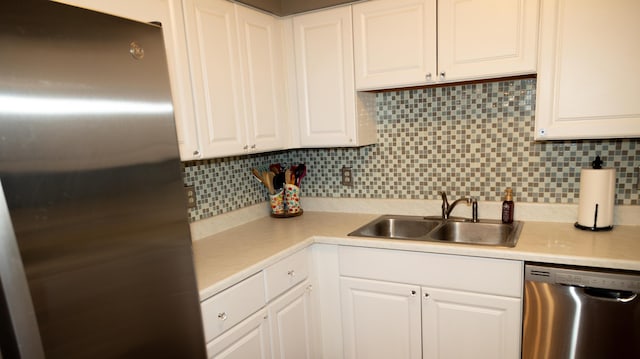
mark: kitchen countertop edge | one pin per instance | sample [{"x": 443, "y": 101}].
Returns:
[{"x": 228, "y": 257}]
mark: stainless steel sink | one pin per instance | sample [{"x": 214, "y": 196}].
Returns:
[
  {"x": 484, "y": 232},
  {"x": 487, "y": 232},
  {"x": 401, "y": 227}
]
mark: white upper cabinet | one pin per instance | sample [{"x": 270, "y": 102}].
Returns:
[
  {"x": 589, "y": 70},
  {"x": 330, "y": 113},
  {"x": 236, "y": 62},
  {"x": 395, "y": 43},
  {"x": 261, "y": 53},
  {"x": 486, "y": 38},
  {"x": 217, "y": 83},
  {"x": 398, "y": 44},
  {"x": 169, "y": 14}
]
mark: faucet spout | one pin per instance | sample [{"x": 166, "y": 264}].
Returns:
[{"x": 448, "y": 208}]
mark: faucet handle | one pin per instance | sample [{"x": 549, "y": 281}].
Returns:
[{"x": 474, "y": 210}]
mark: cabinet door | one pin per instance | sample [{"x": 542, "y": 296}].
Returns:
[
  {"x": 249, "y": 339},
  {"x": 589, "y": 72},
  {"x": 324, "y": 69},
  {"x": 215, "y": 74},
  {"x": 380, "y": 319},
  {"x": 260, "y": 39},
  {"x": 470, "y": 325},
  {"x": 394, "y": 43},
  {"x": 291, "y": 324},
  {"x": 169, "y": 14},
  {"x": 486, "y": 38}
]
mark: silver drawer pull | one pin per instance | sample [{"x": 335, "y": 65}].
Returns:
[
  {"x": 291, "y": 273},
  {"x": 222, "y": 316}
]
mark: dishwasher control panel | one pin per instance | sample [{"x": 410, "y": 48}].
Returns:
[{"x": 583, "y": 277}]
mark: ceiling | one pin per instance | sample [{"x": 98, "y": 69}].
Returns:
[{"x": 290, "y": 7}]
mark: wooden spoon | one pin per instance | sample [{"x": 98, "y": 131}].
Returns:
[{"x": 267, "y": 179}]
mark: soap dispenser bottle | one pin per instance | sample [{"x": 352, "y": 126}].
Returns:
[{"x": 508, "y": 206}]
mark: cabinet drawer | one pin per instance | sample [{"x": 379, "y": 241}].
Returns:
[
  {"x": 231, "y": 306},
  {"x": 473, "y": 274},
  {"x": 286, "y": 273}
]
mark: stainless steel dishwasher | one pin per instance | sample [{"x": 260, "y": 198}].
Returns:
[{"x": 581, "y": 313}]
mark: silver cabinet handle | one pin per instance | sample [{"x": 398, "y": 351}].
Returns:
[
  {"x": 443, "y": 75},
  {"x": 222, "y": 316},
  {"x": 196, "y": 153},
  {"x": 426, "y": 295},
  {"x": 428, "y": 76},
  {"x": 246, "y": 147},
  {"x": 291, "y": 273},
  {"x": 253, "y": 147},
  {"x": 413, "y": 293}
]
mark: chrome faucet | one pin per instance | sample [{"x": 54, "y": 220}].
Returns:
[{"x": 448, "y": 208}]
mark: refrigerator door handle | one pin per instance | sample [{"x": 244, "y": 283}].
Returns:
[{"x": 21, "y": 321}]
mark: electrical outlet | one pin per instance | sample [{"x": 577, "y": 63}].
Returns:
[
  {"x": 190, "y": 193},
  {"x": 347, "y": 176}
]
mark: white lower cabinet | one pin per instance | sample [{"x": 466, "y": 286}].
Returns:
[
  {"x": 291, "y": 324},
  {"x": 282, "y": 330},
  {"x": 457, "y": 324},
  {"x": 249, "y": 339},
  {"x": 380, "y": 319},
  {"x": 368, "y": 303},
  {"x": 268, "y": 315},
  {"x": 433, "y": 306}
]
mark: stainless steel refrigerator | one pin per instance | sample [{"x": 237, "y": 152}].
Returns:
[{"x": 95, "y": 251}]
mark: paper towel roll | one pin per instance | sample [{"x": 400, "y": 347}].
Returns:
[{"x": 597, "y": 197}]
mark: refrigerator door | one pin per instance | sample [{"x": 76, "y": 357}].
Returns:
[
  {"x": 19, "y": 336},
  {"x": 90, "y": 170}
]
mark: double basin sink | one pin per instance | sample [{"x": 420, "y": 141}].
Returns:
[{"x": 434, "y": 229}]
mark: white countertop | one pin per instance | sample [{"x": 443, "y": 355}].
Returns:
[{"x": 227, "y": 257}]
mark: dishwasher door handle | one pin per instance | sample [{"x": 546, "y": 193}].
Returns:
[{"x": 611, "y": 295}]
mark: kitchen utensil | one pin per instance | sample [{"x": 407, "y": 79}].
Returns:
[
  {"x": 275, "y": 168},
  {"x": 257, "y": 174},
  {"x": 301, "y": 171},
  {"x": 279, "y": 181},
  {"x": 267, "y": 179},
  {"x": 288, "y": 178}
]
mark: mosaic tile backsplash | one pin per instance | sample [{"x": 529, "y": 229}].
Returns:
[{"x": 471, "y": 139}]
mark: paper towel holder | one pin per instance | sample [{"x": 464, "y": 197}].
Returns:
[
  {"x": 596, "y": 165},
  {"x": 595, "y": 221}
]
